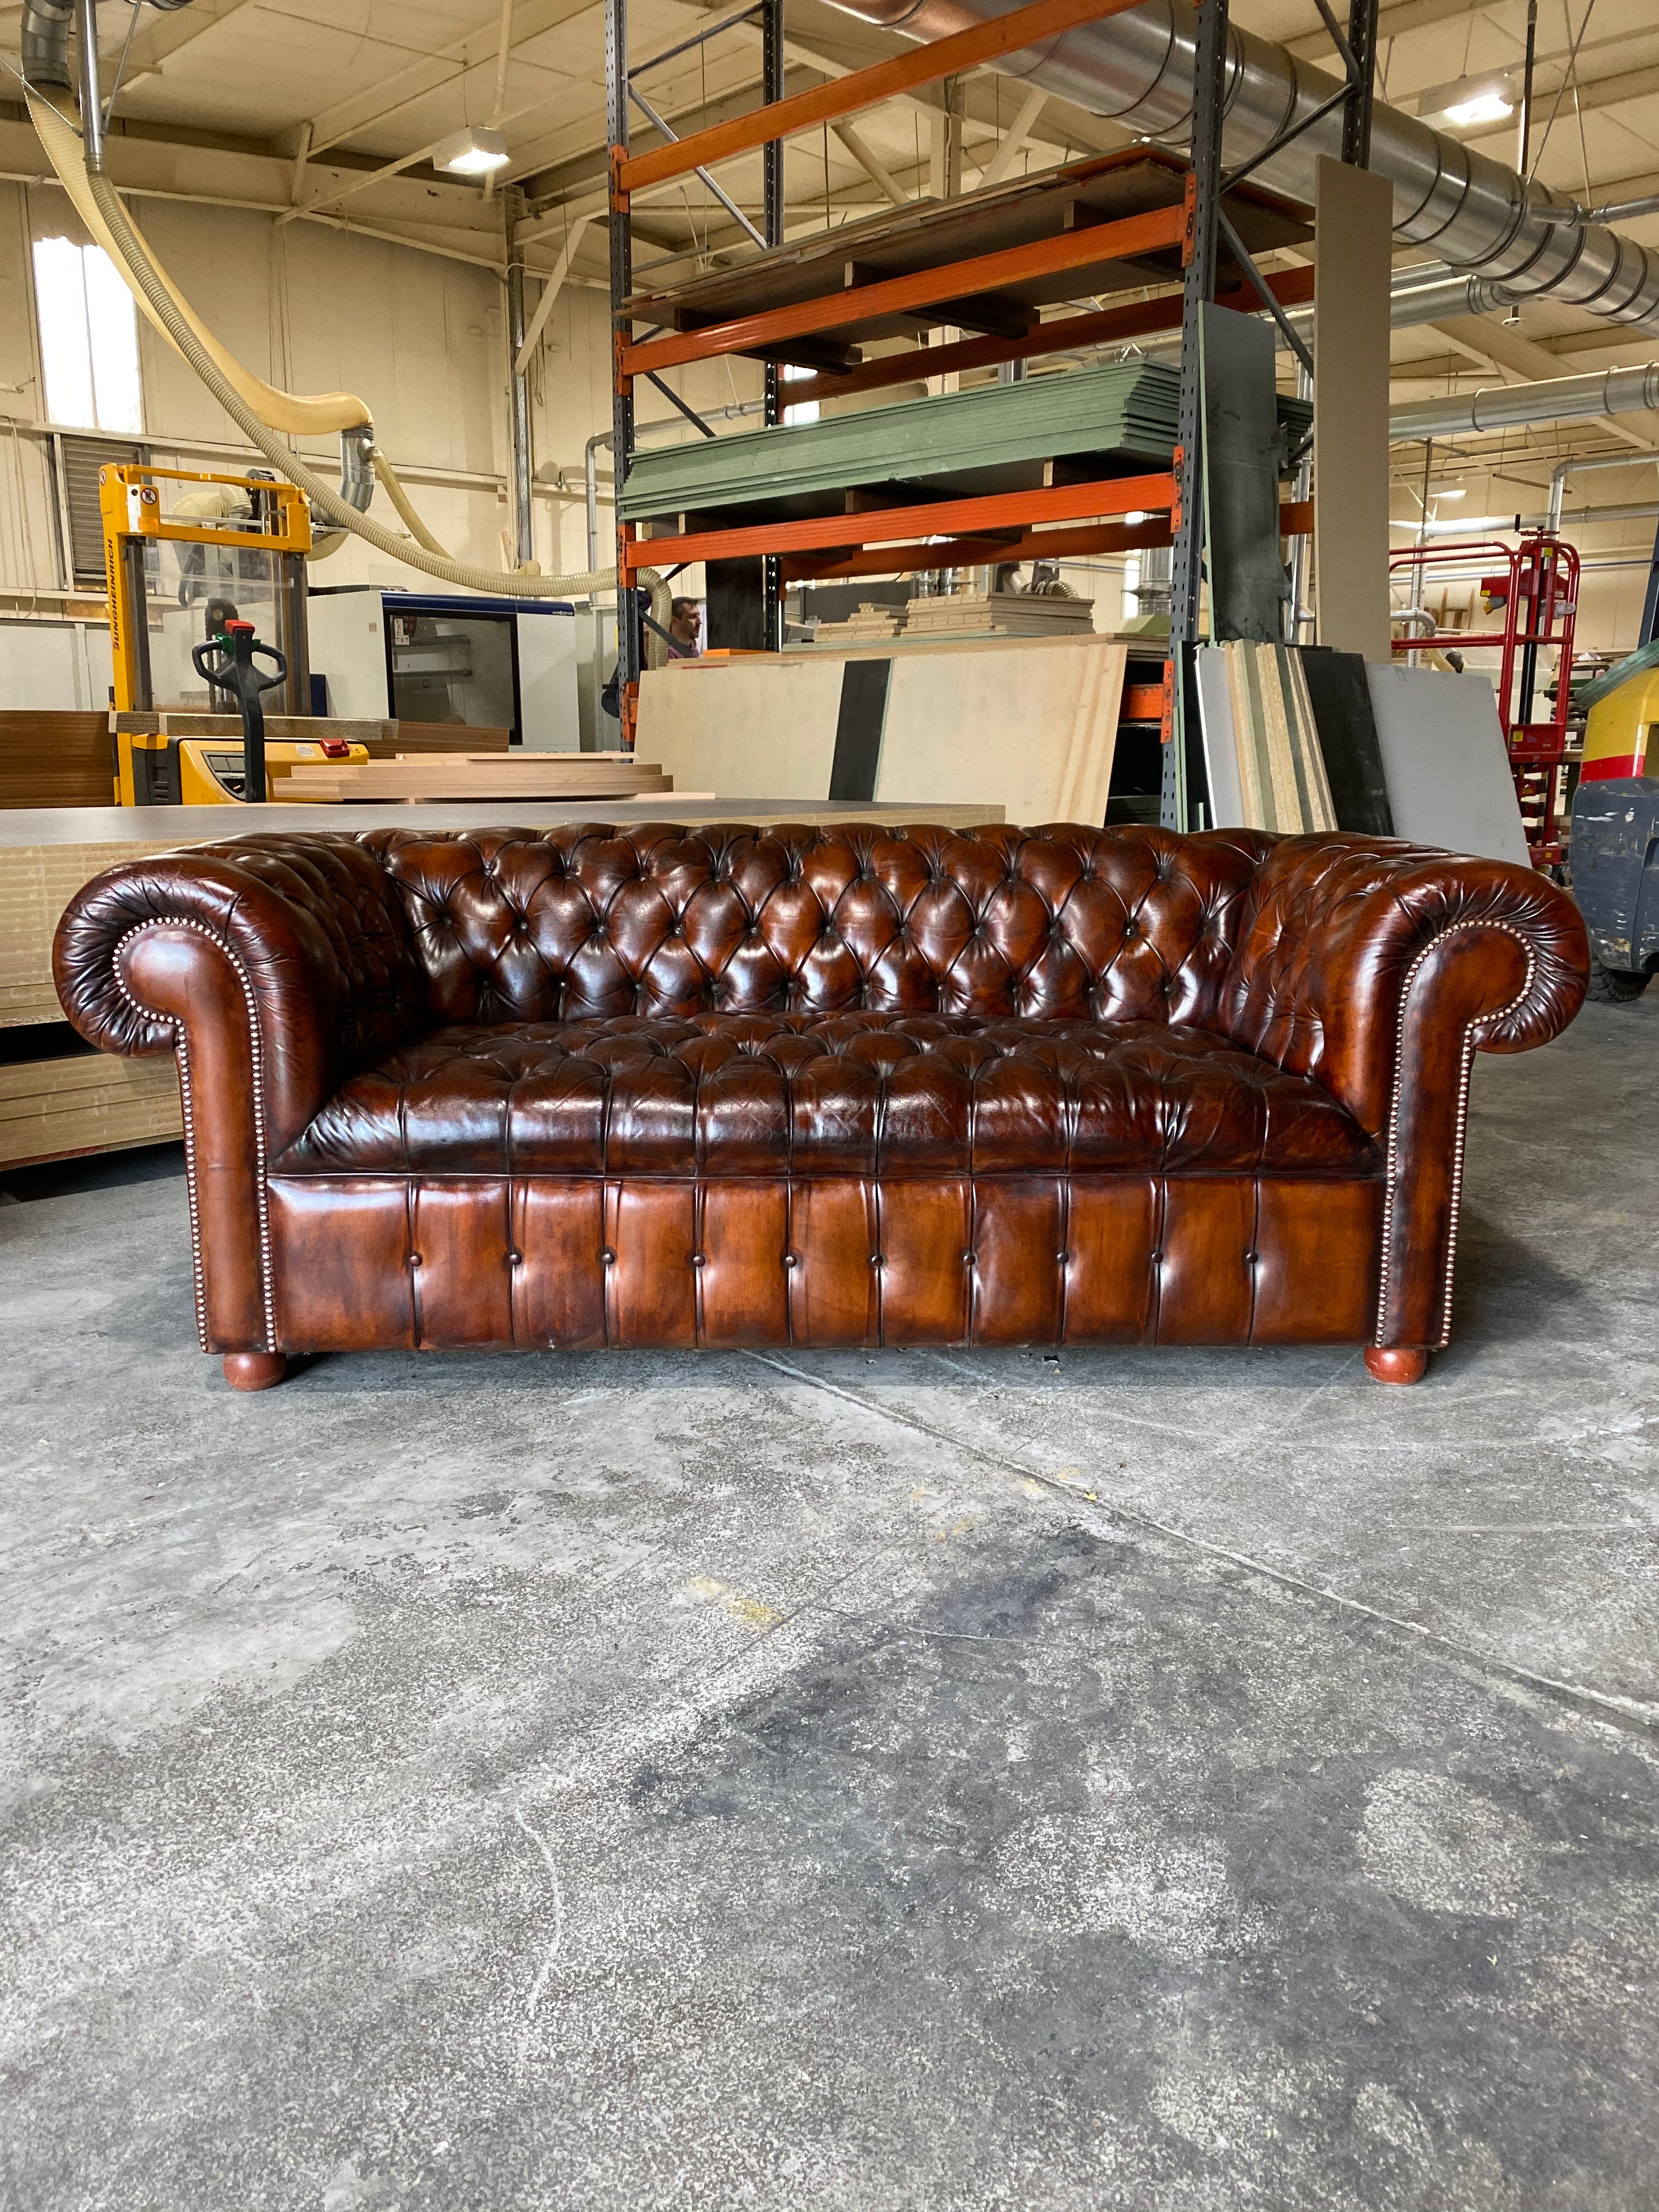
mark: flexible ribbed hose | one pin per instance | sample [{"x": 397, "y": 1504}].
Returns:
[
  {"x": 389, "y": 483},
  {"x": 165, "y": 308}
]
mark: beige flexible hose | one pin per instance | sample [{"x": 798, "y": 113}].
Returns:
[
  {"x": 389, "y": 483},
  {"x": 244, "y": 397}
]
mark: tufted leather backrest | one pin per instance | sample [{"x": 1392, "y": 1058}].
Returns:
[{"x": 587, "y": 920}]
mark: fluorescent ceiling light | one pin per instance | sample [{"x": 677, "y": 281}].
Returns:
[
  {"x": 1485, "y": 107},
  {"x": 1135, "y": 515},
  {"x": 1471, "y": 522},
  {"x": 470, "y": 153},
  {"x": 1450, "y": 491}
]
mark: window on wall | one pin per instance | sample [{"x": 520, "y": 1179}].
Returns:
[
  {"x": 89, "y": 338},
  {"x": 807, "y": 411}
]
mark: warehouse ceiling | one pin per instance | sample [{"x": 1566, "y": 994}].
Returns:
[{"x": 327, "y": 111}]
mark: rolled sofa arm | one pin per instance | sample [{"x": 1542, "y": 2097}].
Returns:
[
  {"x": 269, "y": 966},
  {"x": 1378, "y": 968}
]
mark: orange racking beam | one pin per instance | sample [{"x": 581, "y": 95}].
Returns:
[
  {"x": 826, "y": 103},
  {"x": 1139, "y": 318},
  {"x": 952, "y": 517},
  {"x": 1295, "y": 518},
  {"x": 976, "y": 552},
  {"x": 923, "y": 287}
]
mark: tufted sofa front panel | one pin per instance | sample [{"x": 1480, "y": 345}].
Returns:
[{"x": 581, "y": 922}]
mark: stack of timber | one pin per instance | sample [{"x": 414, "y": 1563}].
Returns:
[
  {"x": 56, "y": 760},
  {"x": 520, "y": 776},
  {"x": 999, "y": 614},
  {"x": 1262, "y": 748},
  {"x": 869, "y": 622},
  {"x": 1124, "y": 418}
]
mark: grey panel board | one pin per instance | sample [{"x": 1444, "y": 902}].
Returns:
[
  {"x": 1215, "y": 714},
  {"x": 1446, "y": 765},
  {"x": 1242, "y": 456}
]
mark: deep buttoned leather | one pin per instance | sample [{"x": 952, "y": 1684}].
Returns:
[
  {"x": 863, "y": 1094},
  {"x": 809, "y": 1084}
]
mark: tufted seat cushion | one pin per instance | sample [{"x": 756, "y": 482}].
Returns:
[{"x": 860, "y": 1093}]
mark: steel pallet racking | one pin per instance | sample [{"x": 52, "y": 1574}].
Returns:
[{"x": 1056, "y": 520}]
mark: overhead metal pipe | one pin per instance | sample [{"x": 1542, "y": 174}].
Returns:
[
  {"x": 91, "y": 94},
  {"x": 1569, "y": 467},
  {"x": 1476, "y": 215},
  {"x": 1515, "y": 406}
]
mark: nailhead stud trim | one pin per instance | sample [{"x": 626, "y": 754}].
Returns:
[
  {"x": 181, "y": 1050},
  {"x": 1483, "y": 1021}
]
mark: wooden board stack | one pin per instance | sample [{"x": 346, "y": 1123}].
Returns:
[
  {"x": 870, "y": 625},
  {"x": 1261, "y": 746},
  {"x": 999, "y": 614},
  {"x": 520, "y": 777},
  {"x": 56, "y": 760}
]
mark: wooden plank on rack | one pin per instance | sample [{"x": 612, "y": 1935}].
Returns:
[{"x": 825, "y": 103}]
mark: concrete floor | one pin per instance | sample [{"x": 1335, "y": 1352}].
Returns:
[{"x": 1176, "y": 1780}]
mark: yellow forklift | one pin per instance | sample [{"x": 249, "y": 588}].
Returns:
[{"x": 238, "y": 545}]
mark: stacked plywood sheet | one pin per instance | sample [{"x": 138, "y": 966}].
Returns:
[
  {"x": 869, "y": 623},
  {"x": 1262, "y": 748},
  {"x": 1124, "y": 417},
  {"x": 999, "y": 614},
  {"x": 481, "y": 776},
  {"x": 56, "y": 760}
]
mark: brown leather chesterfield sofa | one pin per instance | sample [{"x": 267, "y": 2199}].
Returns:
[{"x": 817, "y": 1086}]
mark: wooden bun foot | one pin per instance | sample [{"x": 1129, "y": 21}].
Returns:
[
  {"x": 255, "y": 1371},
  {"x": 1395, "y": 1365}
]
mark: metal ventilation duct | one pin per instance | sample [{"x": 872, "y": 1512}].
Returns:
[
  {"x": 1475, "y": 213},
  {"x": 1513, "y": 406},
  {"x": 45, "y": 38}
]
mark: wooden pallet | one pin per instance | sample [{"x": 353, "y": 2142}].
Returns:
[{"x": 480, "y": 776}]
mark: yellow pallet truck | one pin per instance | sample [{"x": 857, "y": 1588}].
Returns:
[{"x": 152, "y": 767}]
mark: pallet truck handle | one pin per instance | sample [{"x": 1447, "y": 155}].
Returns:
[{"x": 235, "y": 646}]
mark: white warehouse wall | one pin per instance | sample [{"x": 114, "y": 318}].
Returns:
[{"x": 419, "y": 336}]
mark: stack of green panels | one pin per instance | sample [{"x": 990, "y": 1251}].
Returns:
[{"x": 1125, "y": 414}]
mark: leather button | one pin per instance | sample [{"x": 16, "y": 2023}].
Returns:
[
  {"x": 414, "y": 1259},
  {"x": 968, "y": 1258},
  {"x": 608, "y": 1257},
  {"x": 792, "y": 1259},
  {"x": 516, "y": 1259},
  {"x": 1063, "y": 1257},
  {"x": 700, "y": 1259},
  {"x": 875, "y": 1259}
]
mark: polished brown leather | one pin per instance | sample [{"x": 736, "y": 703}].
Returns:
[{"x": 727, "y": 1086}]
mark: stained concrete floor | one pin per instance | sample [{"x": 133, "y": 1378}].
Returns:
[{"x": 1177, "y": 1780}]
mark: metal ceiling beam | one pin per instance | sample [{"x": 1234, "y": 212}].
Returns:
[{"x": 430, "y": 73}]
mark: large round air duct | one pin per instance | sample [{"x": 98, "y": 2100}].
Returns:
[{"x": 1476, "y": 215}]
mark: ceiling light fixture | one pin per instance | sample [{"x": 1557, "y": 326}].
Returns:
[
  {"x": 470, "y": 153},
  {"x": 1485, "y": 107}
]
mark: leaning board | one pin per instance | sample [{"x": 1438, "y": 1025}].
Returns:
[
  {"x": 1027, "y": 727},
  {"x": 1447, "y": 766}
]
